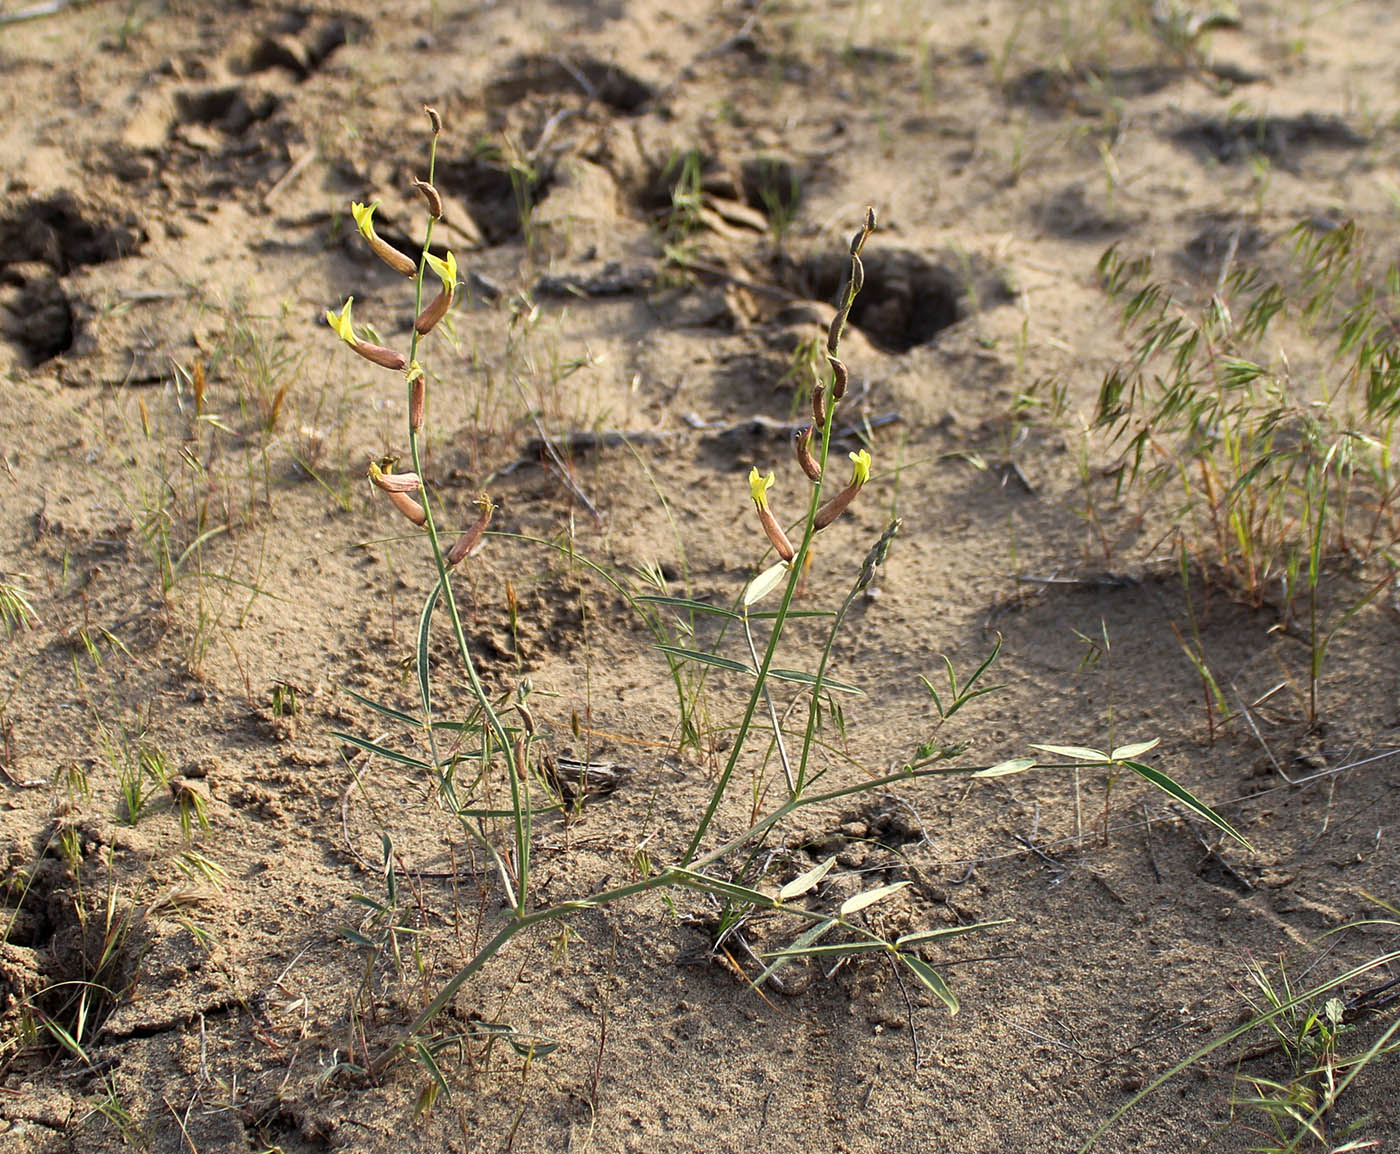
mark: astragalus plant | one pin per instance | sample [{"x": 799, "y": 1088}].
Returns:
[{"x": 498, "y": 750}]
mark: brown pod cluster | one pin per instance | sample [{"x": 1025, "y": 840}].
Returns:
[{"x": 398, "y": 486}]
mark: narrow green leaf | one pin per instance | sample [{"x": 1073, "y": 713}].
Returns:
[
  {"x": 805, "y": 881},
  {"x": 1168, "y": 786},
  {"x": 706, "y": 659},
  {"x": 831, "y": 949},
  {"x": 924, "y": 937},
  {"x": 387, "y": 711},
  {"x": 371, "y": 747},
  {"x": 810, "y": 679},
  {"x": 425, "y": 619},
  {"x": 1074, "y": 752},
  {"x": 685, "y": 603},
  {"x": 711, "y": 885},
  {"x": 802, "y": 941},
  {"x": 1135, "y": 750},
  {"x": 1002, "y": 769},
  {"x": 932, "y": 979},
  {"x": 854, "y": 904}
]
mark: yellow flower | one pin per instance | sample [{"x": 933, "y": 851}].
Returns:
[
  {"x": 759, "y": 486},
  {"x": 341, "y": 323},
  {"x": 860, "y": 468},
  {"x": 364, "y": 218},
  {"x": 446, "y": 270}
]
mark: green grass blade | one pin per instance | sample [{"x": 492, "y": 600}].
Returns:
[{"x": 425, "y": 619}]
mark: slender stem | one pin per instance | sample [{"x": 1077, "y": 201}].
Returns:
[
  {"x": 496, "y": 727},
  {"x": 772, "y": 712}
]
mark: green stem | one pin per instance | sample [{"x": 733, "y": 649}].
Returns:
[{"x": 497, "y": 729}]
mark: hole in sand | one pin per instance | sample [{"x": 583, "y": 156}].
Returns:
[
  {"x": 63, "y": 962},
  {"x": 230, "y": 108},
  {"x": 593, "y": 79},
  {"x": 907, "y": 300},
  {"x": 35, "y": 313},
  {"x": 496, "y": 196},
  {"x": 63, "y": 234}
]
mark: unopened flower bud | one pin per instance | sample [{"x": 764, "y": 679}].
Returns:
[
  {"x": 469, "y": 541},
  {"x": 364, "y": 221},
  {"x": 802, "y": 442},
  {"x": 758, "y": 490},
  {"x": 860, "y": 473},
  {"x": 430, "y": 196}
]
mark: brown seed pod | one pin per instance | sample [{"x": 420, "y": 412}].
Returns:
[
  {"x": 434, "y": 120},
  {"x": 379, "y": 355},
  {"x": 431, "y": 197},
  {"x": 802, "y": 443}
]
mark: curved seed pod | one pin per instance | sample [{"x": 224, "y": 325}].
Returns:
[
  {"x": 802, "y": 443},
  {"x": 860, "y": 473},
  {"x": 431, "y": 196},
  {"x": 434, "y": 120},
  {"x": 839, "y": 377},
  {"x": 819, "y": 405},
  {"x": 379, "y": 355},
  {"x": 468, "y": 542},
  {"x": 758, "y": 490}
]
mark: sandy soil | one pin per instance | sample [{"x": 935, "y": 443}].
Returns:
[{"x": 212, "y": 578}]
